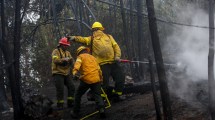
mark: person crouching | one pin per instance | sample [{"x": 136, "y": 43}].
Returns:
[{"x": 90, "y": 77}]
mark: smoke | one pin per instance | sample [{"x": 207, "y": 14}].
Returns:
[
  {"x": 189, "y": 47},
  {"x": 190, "y": 44}
]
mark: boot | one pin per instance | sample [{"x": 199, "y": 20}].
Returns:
[
  {"x": 122, "y": 97},
  {"x": 69, "y": 103},
  {"x": 60, "y": 106},
  {"x": 118, "y": 98},
  {"x": 102, "y": 113},
  {"x": 90, "y": 96},
  {"x": 74, "y": 114}
]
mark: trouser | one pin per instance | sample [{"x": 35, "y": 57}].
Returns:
[
  {"x": 82, "y": 88},
  {"x": 3, "y": 101},
  {"x": 117, "y": 74},
  {"x": 60, "y": 81}
]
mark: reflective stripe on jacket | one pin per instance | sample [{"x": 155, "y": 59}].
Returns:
[
  {"x": 87, "y": 65},
  {"x": 58, "y": 67},
  {"x": 104, "y": 48}
]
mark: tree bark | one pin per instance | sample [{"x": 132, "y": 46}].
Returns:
[
  {"x": 211, "y": 60},
  {"x": 15, "y": 83},
  {"x": 115, "y": 19},
  {"x": 3, "y": 98},
  {"x": 9, "y": 55},
  {"x": 80, "y": 15},
  {"x": 125, "y": 33},
  {"x": 56, "y": 25},
  {"x": 140, "y": 42},
  {"x": 154, "y": 91},
  {"x": 125, "y": 30},
  {"x": 159, "y": 61},
  {"x": 134, "y": 69}
]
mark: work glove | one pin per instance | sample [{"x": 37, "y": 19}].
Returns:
[
  {"x": 117, "y": 59},
  {"x": 75, "y": 77},
  {"x": 101, "y": 78},
  {"x": 66, "y": 59},
  {"x": 71, "y": 38}
]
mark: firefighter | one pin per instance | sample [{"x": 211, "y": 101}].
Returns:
[
  {"x": 107, "y": 52},
  {"x": 90, "y": 77},
  {"x": 61, "y": 66}
]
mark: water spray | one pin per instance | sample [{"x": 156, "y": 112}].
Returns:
[{"x": 143, "y": 62}]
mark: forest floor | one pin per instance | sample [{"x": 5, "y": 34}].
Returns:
[{"x": 135, "y": 107}]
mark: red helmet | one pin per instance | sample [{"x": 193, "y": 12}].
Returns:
[{"x": 64, "y": 41}]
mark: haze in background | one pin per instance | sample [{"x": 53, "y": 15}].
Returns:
[{"x": 190, "y": 51}]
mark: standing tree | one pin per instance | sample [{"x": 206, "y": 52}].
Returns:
[
  {"x": 211, "y": 60},
  {"x": 3, "y": 99},
  {"x": 125, "y": 30},
  {"x": 15, "y": 82},
  {"x": 11, "y": 53},
  {"x": 159, "y": 61},
  {"x": 140, "y": 36}
]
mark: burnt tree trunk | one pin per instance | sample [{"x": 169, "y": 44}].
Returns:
[
  {"x": 80, "y": 15},
  {"x": 125, "y": 31},
  {"x": 55, "y": 21},
  {"x": 154, "y": 90},
  {"x": 134, "y": 69},
  {"x": 115, "y": 18},
  {"x": 140, "y": 42},
  {"x": 13, "y": 72},
  {"x": 110, "y": 17},
  {"x": 211, "y": 60},
  {"x": 15, "y": 82},
  {"x": 159, "y": 61},
  {"x": 131, "y": 32},
  {"x": 3, "y": 98}
]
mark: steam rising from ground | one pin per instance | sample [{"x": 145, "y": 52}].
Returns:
[{"x": 190, "y": 48}]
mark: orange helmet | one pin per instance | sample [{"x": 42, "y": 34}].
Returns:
[
  {"x": 64, "y": 41},
  {"x": 82, "y": 48}
]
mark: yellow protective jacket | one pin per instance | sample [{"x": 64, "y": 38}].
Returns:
[
  {"x": 104, "y": 48},
  {"x": 58, "y": 65},
  {"x": 88, "y": 67}
]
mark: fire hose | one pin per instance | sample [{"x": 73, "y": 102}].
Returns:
[
  {"x": 131, "y": 61},
  {"x": 106, "y": 98},
  {"x": 108, "y": 105},
  {"x": 142, "y": 62}
]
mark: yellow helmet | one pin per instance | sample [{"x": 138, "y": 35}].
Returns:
[
  {"x": 82, "y": 48},
  {"x": 98, "y": 25}
]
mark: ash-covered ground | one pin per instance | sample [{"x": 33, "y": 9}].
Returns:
[{"x": 186, "y": 105}]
